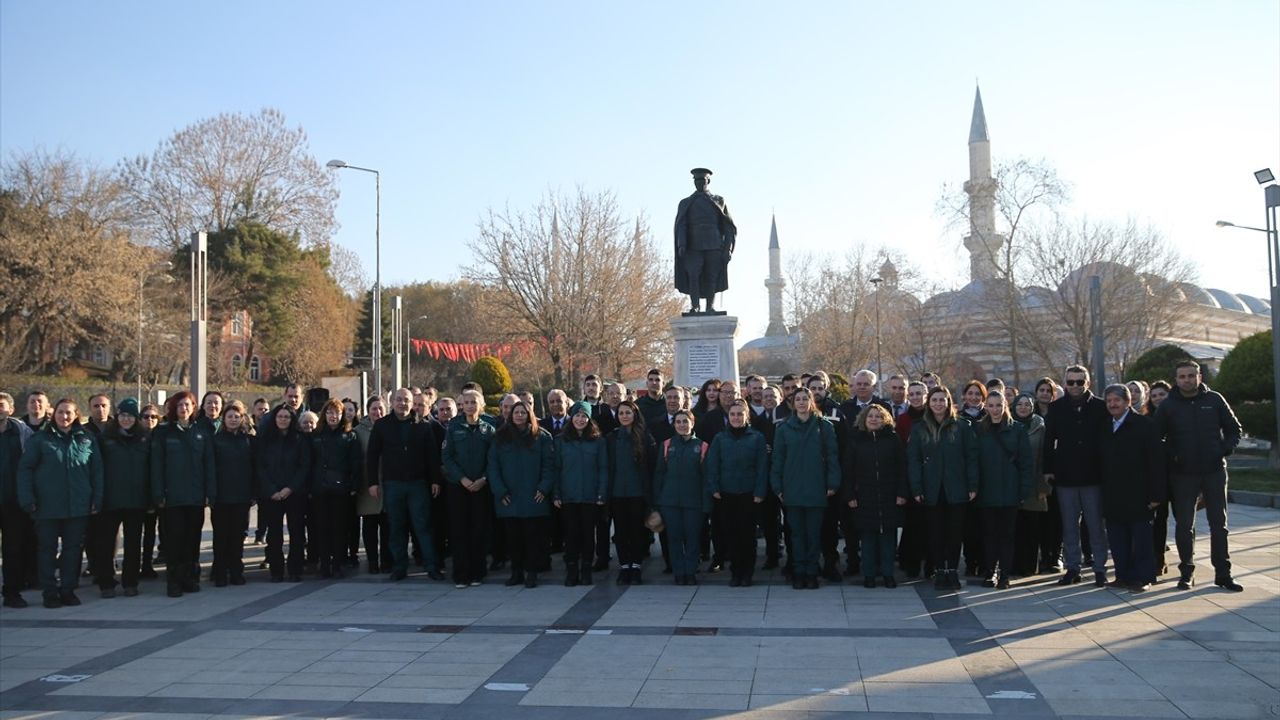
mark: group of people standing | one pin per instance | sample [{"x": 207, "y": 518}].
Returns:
[{"x": 1016, "y": 483}]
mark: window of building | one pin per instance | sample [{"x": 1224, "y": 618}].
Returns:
[
  {"x": 99, "y": 355},
  {"x": 237, "y": 365},
  {"x": 237, "y": 324},
  {"x": 255, "y": 368}
]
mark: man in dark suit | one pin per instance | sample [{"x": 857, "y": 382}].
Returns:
[
  {"x": 1133, "y": 485},
  {"x": 864, "y": 394},
  {"x": 606, "y": 413},
  {"x": 557, "y": 412}
]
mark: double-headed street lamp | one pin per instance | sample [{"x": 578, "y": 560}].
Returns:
[
  {"x": 377, "y": 268},
  {"x": 1271, "y": 197}
]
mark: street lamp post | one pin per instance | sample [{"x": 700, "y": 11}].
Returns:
[
  {"x": 142, "y": 280},
  {"x": 377, "y": 268},
  {"x": 1271, "y": 197},
  {"x": 875, "y": 281}
]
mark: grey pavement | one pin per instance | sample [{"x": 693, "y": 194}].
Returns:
[{"x": 366, "y": 648}]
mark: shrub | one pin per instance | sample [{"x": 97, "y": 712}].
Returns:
[
  {"x": 1258, "y": 419},
  {"x": 839, "y": 390},
  {"x": 492, "y": 375},
  {"x": 1246, "y": 371},
  {"x": 1157, "y": 364}
]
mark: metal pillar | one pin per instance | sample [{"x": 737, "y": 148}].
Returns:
[
  {"x": 1095, "y": 330},
  {"x": 1271, "y": 194},
  {"x": 199, "y": 313},
  {"x": 397, "y": 341}
]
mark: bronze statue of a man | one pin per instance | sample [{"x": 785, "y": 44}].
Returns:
[{"x": 705, "y": 237}]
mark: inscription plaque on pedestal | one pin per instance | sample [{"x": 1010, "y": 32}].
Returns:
[{"x": 704, "y": 349}]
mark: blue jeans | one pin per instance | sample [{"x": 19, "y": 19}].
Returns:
[
  {"x": 60, "y": 573},
  {"x": 408, "y": 503},
  {"x": 1131, "y": 551},
  {"x": 1072, "y": 503},
  {"x": 684, "y": 538},
  {"x": 806, "y": 531}
]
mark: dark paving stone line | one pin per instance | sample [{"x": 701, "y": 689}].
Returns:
[
  {"x": 532, "y": 663},
  {"x": 952, "y": 615}
]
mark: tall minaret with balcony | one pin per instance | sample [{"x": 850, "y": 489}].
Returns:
[
  {"x": 775, "y": 283},
  {"x": 982, "y": 242}
]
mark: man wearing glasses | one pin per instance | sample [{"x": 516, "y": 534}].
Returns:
[{"x": 1071, "y": 465}]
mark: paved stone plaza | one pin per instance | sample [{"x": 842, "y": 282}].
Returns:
[{"x": 366, "y": 648}]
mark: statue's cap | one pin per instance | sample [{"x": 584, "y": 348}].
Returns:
[{"x": 700, "y": 172}]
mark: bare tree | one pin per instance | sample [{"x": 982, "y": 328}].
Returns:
[
  {"x": 829, "y": 301},
  {"x": 228, "y": 168},
  {"x": 571, "y": 275}
]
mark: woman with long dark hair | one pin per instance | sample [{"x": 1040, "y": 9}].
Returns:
[
  {"x": 125, "y": 498},
  {"x": 1031, "y": 552},
  {"x": 336, "y": 470},
  {"x": 521, "y": 472},
  {"x": 1005, "y": 468},
  {"x": 632, "y": 456},
  {"x": 233, "y": 462},
  {"x": 582, "y": 486},
  {"x": 708, "y": 398},
  {"x": 805, "y": 472},
  {"x": 942, "y": 467},
  {"x": 283, "y": 464},
  {"x": 183, "y": 480}
]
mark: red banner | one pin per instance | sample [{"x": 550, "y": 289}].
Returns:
[{"x": 467, "y": 352}]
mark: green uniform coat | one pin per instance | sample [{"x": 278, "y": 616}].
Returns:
[
  {"x": 125, "y": 467},
  {"x": 1005, "y": 465},
  {"x": 466, "y": 450},
  {"x": 582, "y": 470},
  {"x": 948, "y": 461},
  {"x": 679, "y": 480},
  {"x": 519, "y": 471},
  {"x": 806, "y": 461},
  {"x": 60, "y": 474},
  {"x": 627, "y": 478},
  {"x": 738, "y": 464},
  {"x": 182, "y": 470}
]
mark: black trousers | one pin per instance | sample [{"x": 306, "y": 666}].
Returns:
[
  {"x": 771, "y": 526},
  {"x": 183, "y": 527},
  {"x": 274, "y": 514},
  {"x": 353, "y": 533},
  {"x": 375, "y": 530},
  {"x": 1186, "y": 490},
  {"x": 974, "y": 555},
  {"x": 329, "y": 512},
  {"x": 999, "y": 529},
  {"x": 526, "y": 543},
  {"x": 497, "y": 541},
  {"x": 579, "y": 531},
  {"x": 738, "y": 521},
  {"x": 1027, "y": 550},
  {"x": 913, "y": 547},
  {"x": 1160, "y": 532},
  {"x": 439, "y": 512},
  {"x": 103, "y": 529},
  {"x": 630, "y": 534},
  {"x": 230, "y": 520},
  {"x": 60, "y": 571},
  {"x": 603, "y": 520},
  {"x": 17, "y": 549},
  {"x": 469, "y": 514},
  {"x": 946, "y": 532}
]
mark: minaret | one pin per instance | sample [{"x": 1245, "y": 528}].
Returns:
[
  {"x": 775, "y": 283},
  {"x": 982, "y": 242}
]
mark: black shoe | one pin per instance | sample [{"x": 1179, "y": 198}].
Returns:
[
  {"x": 989, "y": 582},
  {"x": 1070, "y": 577},
  {"x": 220, "y": 582},
  {"x": 889, "y": 582},
  {"x": 624, "y": 577},
  {"x": 798, "y": 583},
  {"x": 941, "y": 581},
  {"x": 691, "y": 580},
  {"x": 398, "y": 575},
  {"x": 69, "y": 598},
  {"x": 14, "y": 601},
  {"x": 374, "y": 569},
  {"x": 531, "y": 580},
  {"x": 812, "y": 582},
  {"x": 571, "y": 574},
  {"x": 1003, "y": 584},
  {"x": 1226, "y": 582},
  {"x": 517, "y": 578},
  {"x": 746, "y": 581},
  {"x": 277, "y": 578},
  {"x": 295, "y": 578},
  {"x": 735, "y": 581},
  {"x": 148, "y": 573},
  {"x": 435, "y": 575},
  {"x": 131, "y": 592},
  {"x": 869, "y": 582},
  {"x": 53, "y": 602},
  {"x": 1186, "y": 582},
  {"x": 237, "y": 579},
  {"x": 600, "y": 565},
  {"x": 175, "y": 591},
  {"x": 107, "y": 593},
  {"x": 191, "y": 587},
  {"x": 1100, "y": 579},
  {"x": 770, "y": 564},
  {"x": 716, "y": 566}
]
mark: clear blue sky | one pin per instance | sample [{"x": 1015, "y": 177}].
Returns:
[{"x": 844, "y": 117}]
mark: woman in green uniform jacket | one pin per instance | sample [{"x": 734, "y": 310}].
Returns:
[
  {"x": 632, "y": 456},
  {"x": 233, "y": 463},
  {"x": 738, "y": 477},
  {"x": 1005, "y": 480},
  {"x": 182, "y": 483},
  {"x": 466, "y": 457},
  {"x": 805, "y": 472},
  {"x": 522, "y": 475},
  {"x": 1032, "y": 515},
  {"x": 125, "y": 449},
  {"x": 942, "y": 466},
  {"x": 582, "y": 487},
  {"x": 680, "y": 487},
  {"x": 60, "y": 484}
]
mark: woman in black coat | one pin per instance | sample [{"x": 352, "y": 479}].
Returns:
[
  {"x": 875, "y": 484},
  {"x": 283, "y": 463},
  {"x": 335, "y": 474},
  {"x": 233, "y": 463}
]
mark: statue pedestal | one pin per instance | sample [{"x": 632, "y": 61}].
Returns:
[{"x": 704, "y": 349}]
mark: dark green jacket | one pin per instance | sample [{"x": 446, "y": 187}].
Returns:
[
  {"x": 125, "y": 464},
  {"x": 60, "y": 474},
  {"x": 281, "y": 461},
  {"x": 1006, "y": 467},
  {"x": 12, "y": 440},
  {"x": 738, "y": 464},
  {"x": 947, "y": 462},
  {"x": 628, "y": 478},
  {"x": 466, "y": 450},
  {"x": 519, "y": 470},
  {"x": 182, "y": 471},
  {"x": 679, "y": 480},
  {"x": 582, "y": 470},
  {"x": 806, "y": 462},
  {"x": 233, "y": 461},
  {"x": 336, "y": 462}
]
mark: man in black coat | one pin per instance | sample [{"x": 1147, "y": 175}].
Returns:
[
  {"x": 606, "y": 413},
  {"x": 403, "y": 465},
  {"x": 1071, "y": 466},
  {"x": 1132, "y": 460},
  {"x": 864, "y": 394},
  {"x": 1200, "y": 432}
]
